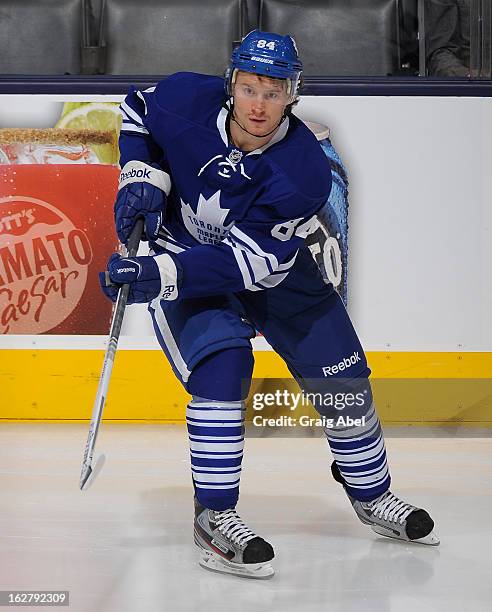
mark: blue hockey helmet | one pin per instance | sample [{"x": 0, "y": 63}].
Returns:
[{"x": 267, "y": 54}]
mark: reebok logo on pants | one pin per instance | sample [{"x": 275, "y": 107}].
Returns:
[{"x": 342, "y": 365}]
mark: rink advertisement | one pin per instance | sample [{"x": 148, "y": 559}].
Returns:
[
  {"x": 58, "y": 176},
  {"x": 329, "y": 243},
  {"x": 55, "y": 233},
  {"x": 57, "y": 188}
]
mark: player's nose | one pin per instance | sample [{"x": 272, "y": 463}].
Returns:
[{"x": 258, "y": 106}]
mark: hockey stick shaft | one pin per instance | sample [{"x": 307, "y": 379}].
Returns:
[{"x": 114, "y": 334}]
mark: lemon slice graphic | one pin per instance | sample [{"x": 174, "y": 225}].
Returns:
[{"x": 100, "y": 116}]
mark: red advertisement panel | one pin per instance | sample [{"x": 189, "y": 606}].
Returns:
[{"x": 56, "y": 232}]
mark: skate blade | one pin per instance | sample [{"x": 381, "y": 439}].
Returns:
[
  {"x": 429, "y": 540},
  {"x": 214, "y": 563}
]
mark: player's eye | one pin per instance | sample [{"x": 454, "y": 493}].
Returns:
[
  {"x": 272, "y": 96},
  {"x": 248, "y": 91}
]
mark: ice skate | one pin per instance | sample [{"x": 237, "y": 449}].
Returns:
[
  {"x": 391, "y": 517},
  {"x": 227, "y": 545}
]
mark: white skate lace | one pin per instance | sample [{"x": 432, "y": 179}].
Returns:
[
  {"x": 229, "y": 523},
  {"x": 390, "y": 508}
]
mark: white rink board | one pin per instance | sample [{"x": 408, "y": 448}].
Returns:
[
  {"x": 420, "y": 218},
  {"x": 420, "y": 237}
]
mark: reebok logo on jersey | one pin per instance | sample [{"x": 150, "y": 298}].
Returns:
[
  {"x": 143, "y": 174},
  {"x": 262, "y": 59},
  {"x": 168, "y": 292},
  {"x": 122, "y": 270},
  {"x": 342, "y": 365}
]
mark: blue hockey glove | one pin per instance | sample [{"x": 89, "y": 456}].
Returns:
[
  {"x": 142, "y": 193},
  {"x": 149, "y": 278}
]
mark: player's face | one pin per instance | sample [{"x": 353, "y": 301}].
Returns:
[{"x": 259, "y": 102}]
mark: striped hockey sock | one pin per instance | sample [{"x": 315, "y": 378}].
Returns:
[
  {"x": 360, "y": 455},
  {"x": 216, "y": 434}
]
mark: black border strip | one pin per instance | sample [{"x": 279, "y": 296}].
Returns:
[{"x": 313, "y": 86}]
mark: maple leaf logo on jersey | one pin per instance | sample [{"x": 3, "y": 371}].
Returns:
[{"x": 207, "y": 224}]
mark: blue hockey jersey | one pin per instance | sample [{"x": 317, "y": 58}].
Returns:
[{"x": 234, "y": 220}]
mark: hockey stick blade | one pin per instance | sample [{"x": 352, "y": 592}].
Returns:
[{"x": 89, "y": 475}]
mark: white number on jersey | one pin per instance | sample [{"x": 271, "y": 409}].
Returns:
[
  {"x": 285, "y": 231},
  {"x": 332, "y": 257}
]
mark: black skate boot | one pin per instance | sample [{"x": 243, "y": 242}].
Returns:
[
  {"x": 391, "y": 517},
  {"x": 228, "y": 546}
]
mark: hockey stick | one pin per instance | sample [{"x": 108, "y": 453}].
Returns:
[{"x": 114, "y": 334}]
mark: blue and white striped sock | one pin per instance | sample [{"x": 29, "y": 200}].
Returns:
[
  {"x": 216, "y": 434},
  {"x": 360, "y": 455}
]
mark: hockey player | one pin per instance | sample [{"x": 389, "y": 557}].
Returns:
[{"x": 229, "y": 182}]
